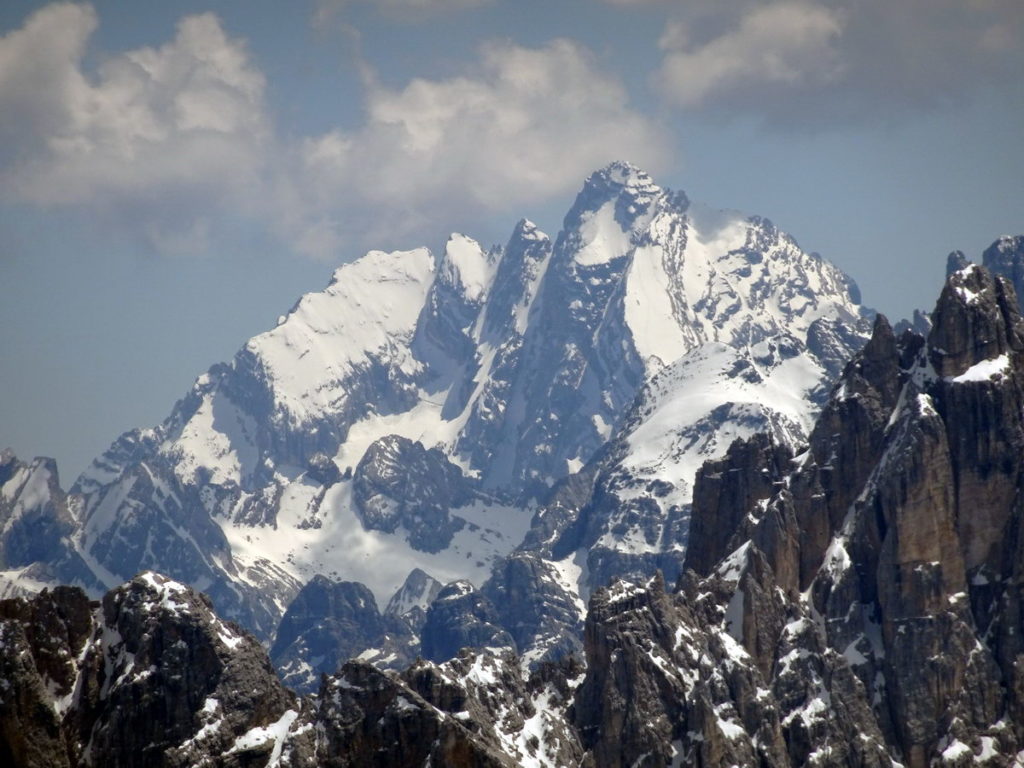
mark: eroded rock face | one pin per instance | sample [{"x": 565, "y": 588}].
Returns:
[
  {"x": 399, "y": 482},
  {"x": 461, "y": 617},
  {"x": 750, "y": 472},
  {"x": 473, "y": 710},
  {"x": 534, "y": 604},
  {"x": 149, "y": 676},
  {"x": 863, "y": 614},
  {"x": 330, "y": 622},
  {"x": 37, "y": 524},
  {"x": 1006, "y": 257},
  {"x": 39, "y": 642},
  {"x": 410, "y": 603},
  {"x": 370, "y": 718}
]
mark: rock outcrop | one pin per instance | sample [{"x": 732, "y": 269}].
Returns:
[
  {"x": 329, "y": 623},
  {"x": 461, "y": 617},
  {"x": 400, "y": 482},
  {"x": 866, "y": 611},
  {"x": 148, "y": 676}
]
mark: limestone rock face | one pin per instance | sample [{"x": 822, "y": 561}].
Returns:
[
  {"x": 37, "y": 525},
  {"x": 370, "y": 718},
  {"x": 149, "y": 676},
  {"x": 399, "y": 482},
  {"x": 474, "y": 710},
  {"x": 330, "y": 622},
  {"x": 40, "y": 641},
  {"x": 461, "y": 617},
  {"x": 1006, "y": 257},
  {"x": 537, "y": 608},
  {"x": 725, "y": 489},
  {"x": 866, "y": 611},
  {"x": 409, "y": 604}
]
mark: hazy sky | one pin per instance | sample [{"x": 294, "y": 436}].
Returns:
[{"x": 173, "y": 176}]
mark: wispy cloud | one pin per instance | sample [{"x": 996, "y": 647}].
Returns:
[
  {"x": 788, "y": 43},
  {"x": 825, "y": 63},
  {"x": 170, "y": 141}
]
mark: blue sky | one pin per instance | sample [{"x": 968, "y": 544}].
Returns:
[{"x": 173, "y": 176}]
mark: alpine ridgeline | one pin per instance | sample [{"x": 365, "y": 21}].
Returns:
[
  {"x": 857, "y": 604},
  {"x": 521, "y": 423}
]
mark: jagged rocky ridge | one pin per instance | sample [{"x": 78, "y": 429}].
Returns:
[
  {"x": 862, "y": 608},
  {"x": 416, "y": 412},
  {"x": 151, "y": 676},
  {"x": 866, "y": 608}
]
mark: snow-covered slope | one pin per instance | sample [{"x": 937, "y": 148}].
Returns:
[{"x": 415, "y": 412}]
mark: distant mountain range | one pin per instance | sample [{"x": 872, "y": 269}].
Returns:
[{"x": 465, "y": 450}]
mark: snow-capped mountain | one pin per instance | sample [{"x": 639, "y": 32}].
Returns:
[
  {"x": 854, "y": 605},
  {"x": 421, "y": 409}
]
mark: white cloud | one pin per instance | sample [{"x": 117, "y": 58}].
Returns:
[
  {"x": 184, "y": 123},
  {"x": 820, "y": 63},
  {"x": 526, "y": 125},
  {"x": 175, "y": 145},
  {"x": 787, "y": 43}
]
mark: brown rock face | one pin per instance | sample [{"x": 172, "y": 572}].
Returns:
[
  {"x": 868, "y": 609},
  {"x": 40, "y": 641},
  {"x": 150, "y": 677},
  {"x": 723, "y": 492},
  {"x": 474, "y": 711}
]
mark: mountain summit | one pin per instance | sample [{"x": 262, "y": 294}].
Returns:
[
  {"x": 426, "y": 411},
  {"x": 855, "y": 603}
]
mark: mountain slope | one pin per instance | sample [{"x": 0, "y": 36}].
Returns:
[
  {"x": 865, "y": 609},
  {"x": 415, "y": 412},
  {"x": 857, "y": 604}
]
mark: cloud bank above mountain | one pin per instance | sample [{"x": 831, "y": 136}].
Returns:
[
  {"x": 168, "y": 138},
  {"x": 170, "y": 141}
]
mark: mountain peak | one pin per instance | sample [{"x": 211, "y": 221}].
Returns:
[
  {"x": 619, "y": 178},
  {"x": 527, "y": 230},
  {"x": 466, "y": 267},
  {"x": 624, "y": 172},
  {"x": 976, "y": 319}
]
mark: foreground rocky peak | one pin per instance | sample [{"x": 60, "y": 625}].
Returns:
[
  {"x": 149, "y": 675},
  {"x": 882, "y": 567}
]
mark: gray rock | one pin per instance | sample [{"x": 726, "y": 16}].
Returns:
[
  {"x": 330, "y": 622},
  {"x": 410, "y": 603},
  {"x": 399, "y": 482},
  {"x": 461, "y": 617}
]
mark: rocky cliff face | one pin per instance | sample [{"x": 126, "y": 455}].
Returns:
[
  {"x": 398, "y": 482},
  {"x": 863, "y": 612},
  {"x": 151, "y": 677},
  {"x": 330, "y": 622},
  {"x": 148, "y": 676},
  {"x": 38, "y": 523}
]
